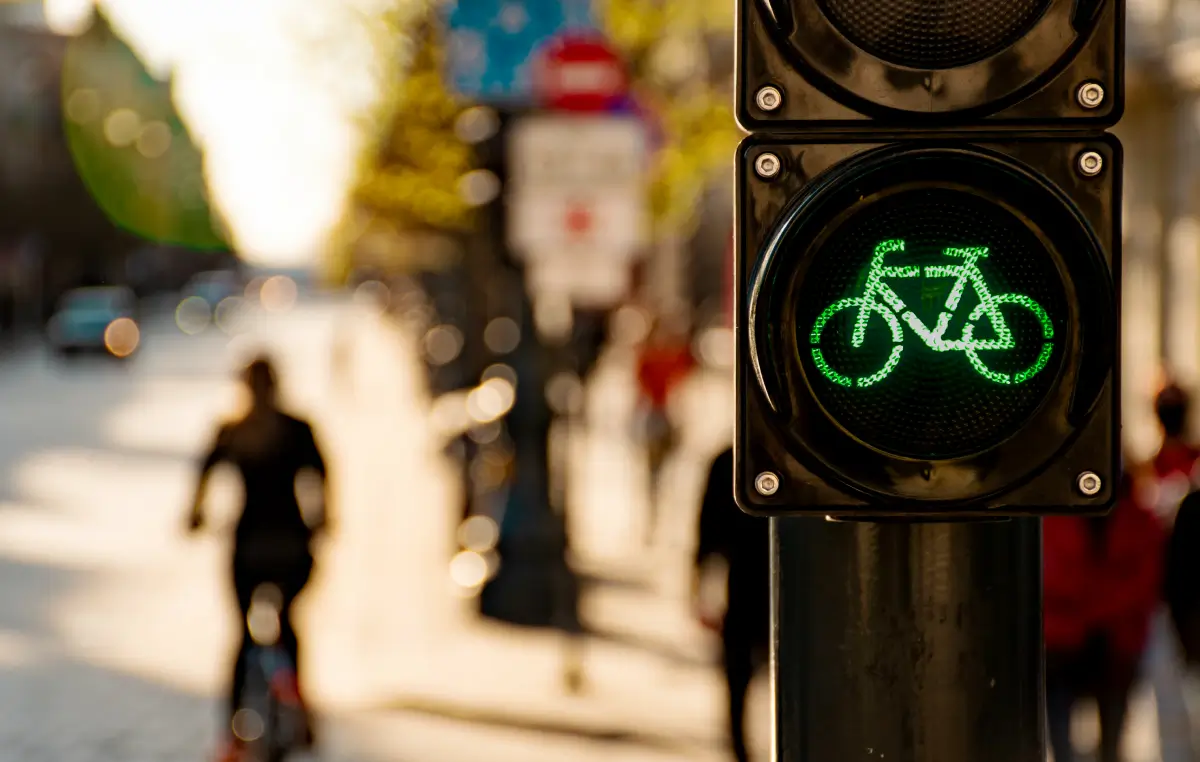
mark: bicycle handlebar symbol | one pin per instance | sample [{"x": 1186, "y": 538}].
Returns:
[{"x": 878, "y": 298}]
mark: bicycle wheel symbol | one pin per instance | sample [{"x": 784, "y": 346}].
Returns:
[
  {"x": 972, "y": 347},
  {"x": 876, "y": 309}
]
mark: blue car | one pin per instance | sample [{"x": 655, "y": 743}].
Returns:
[{"x": 99, "y": 319}]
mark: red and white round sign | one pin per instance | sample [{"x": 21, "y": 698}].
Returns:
[{"x": 579, "y": 72}]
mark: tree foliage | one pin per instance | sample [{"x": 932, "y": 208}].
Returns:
[
  {"x": 412, "y": 161},
  {"x": 416, "y": 169},
  {"x": 667, "y": 44}
]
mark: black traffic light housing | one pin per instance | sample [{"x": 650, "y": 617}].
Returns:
[
  {"x": 782, "y": 428},
  {"x": 928, "y": 257},
  {"x": 843, "y": 63}
]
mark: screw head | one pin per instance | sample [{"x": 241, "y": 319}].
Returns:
[
  {"x": 769, "y": 98},
  {"x": 1090, "y": 95},
  {"x": 1090, "y": 163},
  {"x": 767, "y": 165},
  {"x": 1089, "y": 483},
  {"x": 767, "y": 484}
]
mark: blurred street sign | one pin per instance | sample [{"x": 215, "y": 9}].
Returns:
[
  {"x": 493, "y": 43},
  {"x": 577, "y": 182},
  {"x": 577, "y": 204},
  {"x": 579, "y": 72}
]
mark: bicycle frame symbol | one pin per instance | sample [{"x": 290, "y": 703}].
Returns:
[{"x": 878, "y": 298}]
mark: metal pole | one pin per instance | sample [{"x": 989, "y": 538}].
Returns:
[{"x": 907, "y": 642}]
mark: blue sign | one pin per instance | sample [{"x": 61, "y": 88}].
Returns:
[{"x": 491, "y": 43}]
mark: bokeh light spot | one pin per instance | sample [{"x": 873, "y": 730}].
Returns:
[
  {"x": 83, "y": 106},
  {"x": 122, "y": 337},
  {"x": 227, "y": 315},
  {"x": 469, "y": 570},
  {"x": 500, "y": 370},
  {"x": 122, "y": 127},
  {"x": 479, "y": 533},
  {"x": 155, "y": 140},
  {"x": 479, "y": 187},
  {"x": 443, "y": 344},
  {"x": 193, "y": 315},
  {"x": 502, "y": 335},
  {"x": 278, "y": 294}
]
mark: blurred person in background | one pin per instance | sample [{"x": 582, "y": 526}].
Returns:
[
  {"x": 1102, "y": 581},
  {"x": 272, "y": 542},
  {"x": 1175, "y": 463},
  {"x": 1182, "y": 576},
  {"x": 664, "y": 360},
  {"x": 1174, "y": 472},
  {"x": 743, "y": 542}
]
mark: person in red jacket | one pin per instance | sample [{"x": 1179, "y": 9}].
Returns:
[
  {"x": 1102, "y": 586},
  {"x": 1175, "y": 463},
  {"x": 664, "y": 361}
]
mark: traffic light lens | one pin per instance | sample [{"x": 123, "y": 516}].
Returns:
[
  {"x": 931, "y": 323},
  {"x": 934, "y": 34}
]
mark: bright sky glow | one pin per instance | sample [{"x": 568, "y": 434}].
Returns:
[{"x": 271, "y": 90}]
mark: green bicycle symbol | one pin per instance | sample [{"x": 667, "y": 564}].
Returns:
[{"x": 879, "y": 299}]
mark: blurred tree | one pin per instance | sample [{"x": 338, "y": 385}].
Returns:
[
  {"x": 410, "y": 171},
  {"x": 669, "y": 46},
  {"x": 72, "y": 204},
  {"x": 130, "y": 146}
]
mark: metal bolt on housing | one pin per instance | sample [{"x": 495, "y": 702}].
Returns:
[
  {"x": 1090, "y": 163},
  {"x": 1089, "y": 483},
  {"x": 767, "y": 484},
  {"x": 767, "y": 166},
  {"x": 768, "y": 98},
  {"x": 1090, "y": 95}
]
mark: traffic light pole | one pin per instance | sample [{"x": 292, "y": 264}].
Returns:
[{"x": 907, "y": 642}]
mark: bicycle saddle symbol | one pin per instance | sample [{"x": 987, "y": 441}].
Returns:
[{"x": 879, "y": 299}]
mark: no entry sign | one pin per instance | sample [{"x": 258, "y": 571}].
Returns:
[{"x": 581, "y": 73}]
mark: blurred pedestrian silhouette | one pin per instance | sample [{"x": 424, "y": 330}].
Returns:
[
  {"x": 273, "y": 538},
  {"x": 1102, "y": 583},
  {"x": 1182, "y": 575},
  {"x": 664, "y": 361},
  {"x": 743, "y": 542},
  {"x": 1173, "y": 471}
]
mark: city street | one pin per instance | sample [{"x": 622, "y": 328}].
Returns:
[{"x": 116, "y": 629}]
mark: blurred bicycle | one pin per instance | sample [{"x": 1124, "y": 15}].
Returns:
[{"x": 270, "y": 720}]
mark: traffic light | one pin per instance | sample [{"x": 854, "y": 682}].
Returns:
[{"x": 927, "y": 256}]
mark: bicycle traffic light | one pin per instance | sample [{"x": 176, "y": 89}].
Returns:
[{"x": 927, "y": 300}]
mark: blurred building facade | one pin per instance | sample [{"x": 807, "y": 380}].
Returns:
[{"x": 1161, "y": 136}]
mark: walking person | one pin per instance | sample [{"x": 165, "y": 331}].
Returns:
[
  {"x": 743, "y": 542},
  {"x": 1102, "y": 586},
  {"x": 272, "y": 542},
  {"x": 664, "y": 361}
]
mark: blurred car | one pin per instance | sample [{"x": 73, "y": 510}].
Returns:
[{"x": 96, "y": 319}]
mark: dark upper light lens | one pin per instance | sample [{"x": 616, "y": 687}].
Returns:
[{"x": 933, "y": 34}]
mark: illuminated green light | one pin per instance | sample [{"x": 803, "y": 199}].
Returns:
[
  {"x": 1043, "y": 359},
  {"x": 827, "y": 371},
  {"x": 880, "y": 299}
]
